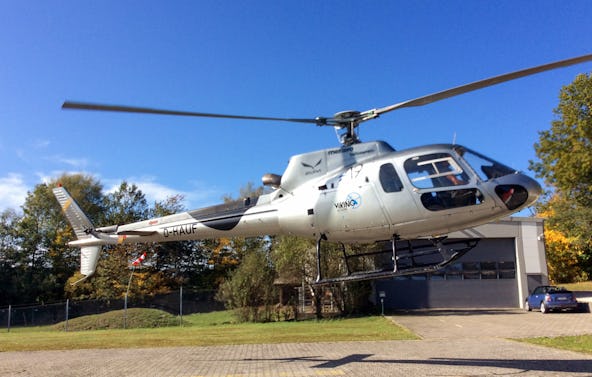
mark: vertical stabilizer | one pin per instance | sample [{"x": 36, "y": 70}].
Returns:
[{"x": 80, "y": 223}]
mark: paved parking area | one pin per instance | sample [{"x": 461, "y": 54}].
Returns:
[
  {"x": 454, "y": 343},
  {"x": 455, "y": 324}
]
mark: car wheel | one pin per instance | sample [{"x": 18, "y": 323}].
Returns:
[
  {"x": 527, "y": 306},
  {"x": 544, "y": 308}
]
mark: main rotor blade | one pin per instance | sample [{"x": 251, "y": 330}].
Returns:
[
  {"x": 425, "y": 100},
  {"x": 145, "y": 110}
]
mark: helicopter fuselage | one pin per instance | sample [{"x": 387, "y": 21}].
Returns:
[{"x": 362, "y": 193}]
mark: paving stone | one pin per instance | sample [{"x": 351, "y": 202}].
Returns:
[{"x": 454, "y": 343}]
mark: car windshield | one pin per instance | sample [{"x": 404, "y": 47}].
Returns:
[{"x": 485, "y": 167}]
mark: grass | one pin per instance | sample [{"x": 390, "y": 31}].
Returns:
[
  {"x": 206, "y": 330},
  {"x": 154, "y": 328},
  {"x": 582, "y": 286},
  {"x": 579, "y": 343}
]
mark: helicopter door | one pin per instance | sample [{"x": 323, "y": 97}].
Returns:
[
  {"x": 348, "y": 206},
  {"x": 397, "y": 202}
]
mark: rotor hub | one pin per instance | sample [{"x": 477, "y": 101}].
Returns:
[{"x": 344, "y": 118}]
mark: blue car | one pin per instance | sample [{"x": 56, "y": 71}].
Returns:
[{"x": 548, "y": 298}]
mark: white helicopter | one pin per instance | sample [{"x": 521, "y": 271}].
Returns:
[{"x": 355, "y": 193}]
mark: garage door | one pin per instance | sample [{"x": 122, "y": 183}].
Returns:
[{"x": 483, "y": 278}]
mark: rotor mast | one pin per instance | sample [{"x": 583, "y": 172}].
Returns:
[{"x": 349, "y": 121}]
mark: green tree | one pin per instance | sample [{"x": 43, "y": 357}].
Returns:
[
  {"x": 249, "y": 291},
  {"x": 294, "y": 259},
  {"x": 246, "y": 267},
  {"x": 229, "y": 252},
  {"x": 565, "y": 151},
  {"x": 125, "y": 205},
  {"x": 564, "y": 155},
  {"x": 11, "y": 268},
  {"x": 181, "y": 262},
  {"x": 44, "y": 234}
]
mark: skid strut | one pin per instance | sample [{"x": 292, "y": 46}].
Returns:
[
  {"x": 319, "y": 269},
  {"x": 394, "y": 250}
]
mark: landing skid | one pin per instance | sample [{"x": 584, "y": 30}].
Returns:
[{"x": 400, "y": 257}]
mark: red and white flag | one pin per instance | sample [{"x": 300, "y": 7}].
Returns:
[{"x": 139, "y": 261}]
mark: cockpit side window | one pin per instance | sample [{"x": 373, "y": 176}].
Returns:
[
  {"x": 389, "y": 179},
  {"x": 485, "y": 167},
  {"x": 435, "y": 170}
]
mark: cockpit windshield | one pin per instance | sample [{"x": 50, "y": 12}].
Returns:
[{"x": 485, "y": 167}]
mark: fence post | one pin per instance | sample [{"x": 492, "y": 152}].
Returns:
[
  {"x": 181, "y": 306},
  {"x": 125, "y": 312},
  {"x": 9, "y": 312},
  {"x": 67, "y": 313}
]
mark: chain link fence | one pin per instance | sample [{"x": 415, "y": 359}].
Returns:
[{"x": 179, "y": 302}]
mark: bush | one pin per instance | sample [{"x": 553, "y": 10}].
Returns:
[{"x": 249, "y": 290}]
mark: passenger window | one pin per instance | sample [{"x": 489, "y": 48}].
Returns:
[
  {"x": 389, "y": 179},
  {"x": 441, "y": 200},
  {"x": 435, "y": 170}
]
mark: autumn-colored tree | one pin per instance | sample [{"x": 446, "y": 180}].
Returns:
[
  {"x": 563, "y": 258},
  {"x": 565, "y": 255},
  {"x": 125, "y": 205}
]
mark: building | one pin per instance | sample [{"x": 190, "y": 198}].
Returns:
[{"x": 499, "y": 272}]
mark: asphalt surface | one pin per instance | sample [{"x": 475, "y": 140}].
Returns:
[{"x": 453, "y": 343}]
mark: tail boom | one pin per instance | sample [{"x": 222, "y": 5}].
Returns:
[{"x": 246, "y": 218}]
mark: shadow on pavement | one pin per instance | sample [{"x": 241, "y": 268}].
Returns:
[{"x": 523, "y": 365}]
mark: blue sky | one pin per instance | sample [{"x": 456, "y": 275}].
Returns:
[{"x": 271, "y": 58}]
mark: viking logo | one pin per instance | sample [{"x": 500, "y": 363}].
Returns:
[
  {"x": 353, "y": 201},
  {"x": 313, "y": 168}
]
